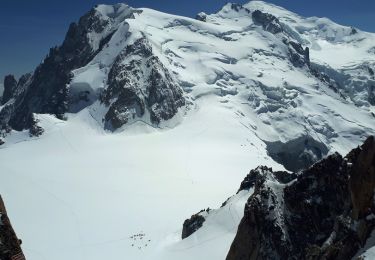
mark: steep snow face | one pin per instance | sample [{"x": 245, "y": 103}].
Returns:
[
  {"x": 344, "y": 53},
  {"x": 193, "y": 105}
]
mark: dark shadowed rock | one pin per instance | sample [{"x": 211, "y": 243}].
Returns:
[
  {"x": 35, "y": 129},
  {"x": 298, "y": 55},
  {"x": 192, "y": 224},
  {"x": 10, "y": 85},
  {"x": 5, "y": 114},
  {"x": 371, "y": 71},
  {"x": 362, "y": 181},
  {"x": 326, "y": 213},
  {"x": 353, "y": 31},
  {"x": 47, "y": 90},
  {"x": 297, "y": 154},
  {"x": 10, "y": 245},
  {"x": 269, "y": 22},
  {"x": 371, "y": 95},
  {"x": 259, "y": 174}
]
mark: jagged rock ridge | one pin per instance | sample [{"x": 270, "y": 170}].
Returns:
[{"x": 327, "y": 212}]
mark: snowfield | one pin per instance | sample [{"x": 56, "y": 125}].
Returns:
[
  {"x": 86, "y": 192},
  {"x": 82, "y": 192}
]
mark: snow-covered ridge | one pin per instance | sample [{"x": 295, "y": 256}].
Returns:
[{"x": 111, "y": 17}]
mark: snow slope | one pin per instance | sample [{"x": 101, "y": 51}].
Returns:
[
  {"x": 330, "y": 43},
  {"x": 345, "y": 53},
  {"x": 80, "y": 192},
  {"x": 82, "y": 196}
]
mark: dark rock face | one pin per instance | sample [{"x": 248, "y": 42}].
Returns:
[
  {"x": 256, "y": 176},
  {"x": 10, "y": 245},
  {"x": 140, "y": 84},
  {"x": 5, "y": 114},
  {"x": 371, "y": 95},
  {"x": 371, "y": 71},
  {"x": 192, "y": 224},
  {"x": 10, "y": 85},
  {"x": 325, "y": 213},
  {"x": 298, "y": 55},
  {"x": 35, "y": 129},
  {"x": 269, "y": 22},
  {"x": 259, "y": 174},
  {"x": 297, "y": 154},
  {"x": 353, "y": 31}
]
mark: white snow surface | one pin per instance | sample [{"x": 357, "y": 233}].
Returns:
[
  {"x": 79, "y": 192},
  {"x": 86, "y": 192},
  {"x": 329, "y": 42}
]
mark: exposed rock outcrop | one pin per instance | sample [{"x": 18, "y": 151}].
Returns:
[
  {"x": 47, "y": 91},
  {"x": 268, "y": 21},
  {"x": 10, "y": 245},
  {"x": 299, "y": 56},
  {"x": 10, "y": 85},
  {"x": 139, "y": 82},
  {"x": 327, "y": 212},
  {"x": 371, "y": 95},
  {"x": 192, "y": 224},
  {"x": 260, "y": 173}
]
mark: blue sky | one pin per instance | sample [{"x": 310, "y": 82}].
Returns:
[{"x": 29, "y": 28}]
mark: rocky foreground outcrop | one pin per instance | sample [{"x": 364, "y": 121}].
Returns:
[
  {"x": 10, "y": 245},
  {"x": 326, "y": 212}
]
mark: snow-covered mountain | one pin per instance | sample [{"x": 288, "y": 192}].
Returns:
[{"x": 141, "y": 118}]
